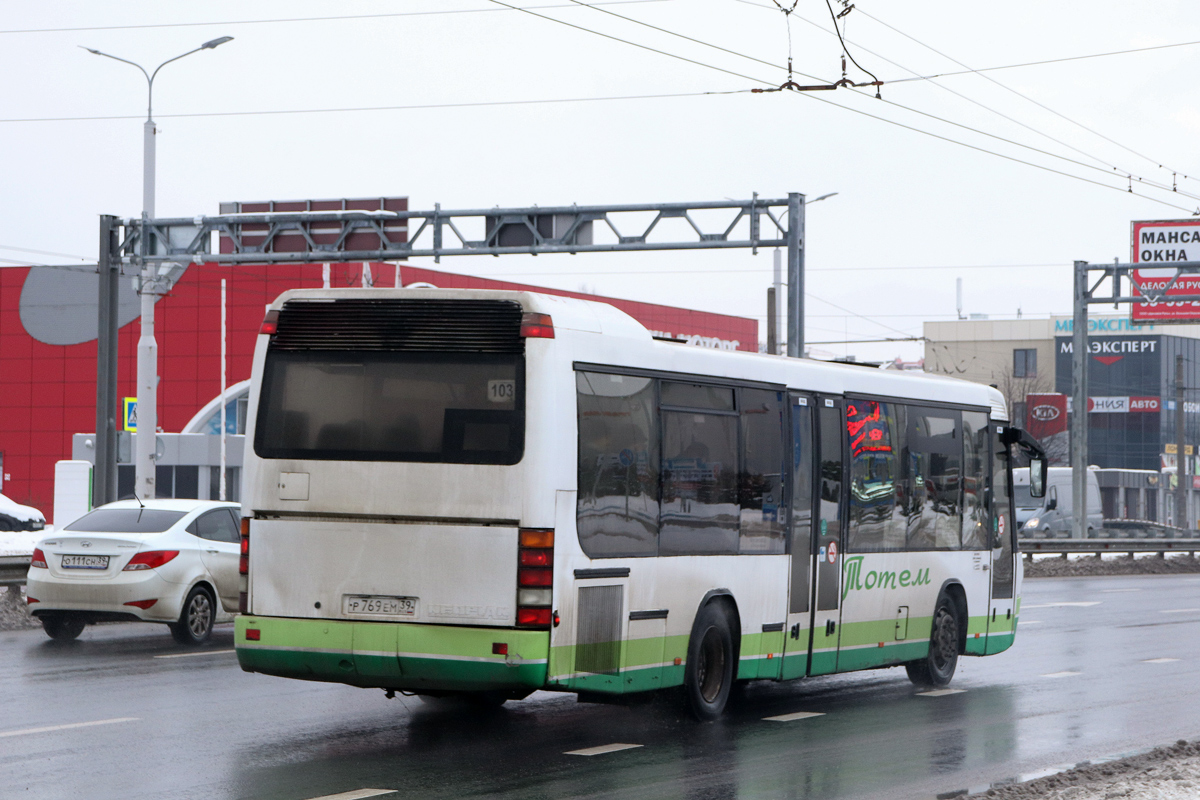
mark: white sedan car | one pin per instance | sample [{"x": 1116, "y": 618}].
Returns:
[{"x": 168, "y": 561}]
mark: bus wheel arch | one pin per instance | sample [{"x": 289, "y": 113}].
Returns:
[
  {"x": 712, "y": 656},
  {"x": 946, "y": 641}
]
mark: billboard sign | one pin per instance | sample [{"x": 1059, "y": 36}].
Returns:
[
  {"x": 1157, "y": 244},
  {"x": 1046, "y": 414},
  {"x": 346, "y": 235}
]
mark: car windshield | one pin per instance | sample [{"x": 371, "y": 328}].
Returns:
[{"x": 126, "y": 520}]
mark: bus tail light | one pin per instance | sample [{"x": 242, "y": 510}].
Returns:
[
  {"x": 536, "y": 326},
  {"x": 39, "y": 559},
  {"x": 270, "y": 323},
  {"x": 535, "y": 577},
  {"x": 244, "y": 569}
]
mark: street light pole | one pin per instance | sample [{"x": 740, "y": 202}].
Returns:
[{"x": 147, "y": 351}]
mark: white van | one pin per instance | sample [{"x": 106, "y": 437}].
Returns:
[{"x": 1050, "y": 517}]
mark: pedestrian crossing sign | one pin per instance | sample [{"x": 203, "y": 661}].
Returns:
[{"x": 130, "y": 414}]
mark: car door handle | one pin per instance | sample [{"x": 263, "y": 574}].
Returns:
[{"x": 214, "y": 552}]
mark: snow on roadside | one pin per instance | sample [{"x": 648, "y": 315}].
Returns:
[{"x": 1165, "y": 773}]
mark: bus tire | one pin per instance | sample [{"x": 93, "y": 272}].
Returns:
[
  {"x": 937, "y": 668},
  {"x": 62, "y": 627},
  {"x": 711, "y": 663}
]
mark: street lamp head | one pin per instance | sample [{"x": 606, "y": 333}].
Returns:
[
  {"x": 93, "y": 52},
  {"x": 216, "y": 43},
  {"x": 822, "y": 197}
]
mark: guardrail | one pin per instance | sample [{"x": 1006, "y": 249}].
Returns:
[
  {"x": 1100, "y": 546},
  {"x": 13, "y": 569}
]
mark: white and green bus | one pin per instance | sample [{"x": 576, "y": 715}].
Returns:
[{"x": 485, "y": 493}]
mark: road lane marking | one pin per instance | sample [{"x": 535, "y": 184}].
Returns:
[
  {"x": 200, "y": 653},
  {"x": 940, "y": 692},
  {"x": 357, "y": 794},
  {"x": 795, "y": 716},
  {"x": 1030, "y": 622},
  {"x": 1111, "y": 591},
  {"x": 1071, "y": 604},
  {"x": 1178, "y": 610},
  {"x": 602, "y": 749},
  {"x": 50, "y": 728},
  {"x": 1159, "y": 660},
  {"x": 1064, "y": 674}
]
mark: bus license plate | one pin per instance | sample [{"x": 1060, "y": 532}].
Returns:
[
  {"x": 85, "y": 562},
  {"x": 377, "y": 604}
]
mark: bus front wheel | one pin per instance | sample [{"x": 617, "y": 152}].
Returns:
[
  {"x": 937, "y": 668},
  {"x": 710, "y": 664}
]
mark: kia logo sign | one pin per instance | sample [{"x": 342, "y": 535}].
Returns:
[{"x": 1044, "y": 413}]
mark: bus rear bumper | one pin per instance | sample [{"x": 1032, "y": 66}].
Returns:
[{"x": 394, "y": 655}]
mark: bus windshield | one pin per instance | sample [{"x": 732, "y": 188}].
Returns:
[{"x": 392, "y": 406}]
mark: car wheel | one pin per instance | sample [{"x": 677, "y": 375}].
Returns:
[
  {"x": 62, "y": 628},
  {"x": 937, "y": 668},
  {"x": 196, "y": 620},
  {"x": 710, "y": 663}
]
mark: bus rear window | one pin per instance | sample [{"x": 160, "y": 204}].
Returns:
[{"x": 465, "y": 408}]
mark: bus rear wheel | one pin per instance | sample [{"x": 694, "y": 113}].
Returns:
[
  {"x": 710, "y": 664},
  {"x": 937, "y": 668}
]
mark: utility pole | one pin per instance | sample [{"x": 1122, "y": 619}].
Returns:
[
  {"x": 1079, "y": 414},
  {"x": 147, "y": 349},
  {"x": 1181, "y": 520},
  {"x": 795, "y": 273},
  {"x": 104, "y": 478}
]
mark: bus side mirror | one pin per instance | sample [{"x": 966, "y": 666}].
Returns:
[
  {"x": 1037, "y": 477},
  {"x": 1032, "y": 450}
]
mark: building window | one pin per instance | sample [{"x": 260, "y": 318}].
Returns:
[{"x": 1025, "y": 363}]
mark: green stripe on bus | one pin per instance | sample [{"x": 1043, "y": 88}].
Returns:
[{"x": 435, "y": 658}]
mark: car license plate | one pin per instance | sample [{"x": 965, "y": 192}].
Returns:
[
  {"x": 379, "y": 604},
  {"x": 85, "y": 562}
]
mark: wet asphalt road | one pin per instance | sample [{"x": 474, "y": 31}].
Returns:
[{"x": 1102, "y": 666}]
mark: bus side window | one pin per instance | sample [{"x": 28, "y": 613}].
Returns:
[
  {"x": 975, "y": 484},
  {"x": 760, "y": 480},
  {"x": 617, "y": 505}
]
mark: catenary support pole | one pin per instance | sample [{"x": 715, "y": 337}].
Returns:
[
  {"x": 224, "y": 401},
  {"x": 1181, "y": 474},
  {"x": 772, "y": 322},
  {"x": 795, "y": 272},
  {"x": 1079, "y": 412},
  {"x": 104, "y": 475}
]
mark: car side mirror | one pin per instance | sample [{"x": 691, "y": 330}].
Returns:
[{"x": 1052, "y": 502}]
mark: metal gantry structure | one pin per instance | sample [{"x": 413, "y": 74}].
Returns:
[
  {"x": 270, "y": 238},
  {"x": 1089, "y": 293}
]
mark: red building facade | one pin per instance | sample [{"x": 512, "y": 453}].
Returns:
[{"x": 48, "y": 390}]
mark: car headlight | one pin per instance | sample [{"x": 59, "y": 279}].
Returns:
[{"x": 1032, "y": 522}]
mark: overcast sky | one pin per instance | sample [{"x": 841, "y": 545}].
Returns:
[{"x": 913, "y": 212}]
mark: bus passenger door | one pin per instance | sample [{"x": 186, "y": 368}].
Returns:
[
  {"x": 830, "y": 513},
  {"x": 1001, "y": 621},
  {"x": 800, "y": 540}
]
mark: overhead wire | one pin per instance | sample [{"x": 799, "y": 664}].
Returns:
[
  {"x": 1127, "y": 174},
  {"x": 1029, "y": 99},
  {"x": 365, "y": 109},
  {"x": 867, "y": 114}
]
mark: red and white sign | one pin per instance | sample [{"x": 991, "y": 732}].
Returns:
[
  {"x": 1120, "y": 405},
  {"x": 833, "y": 550},
  {"x": 1045, "y": 414},
  {"x": 1162, "y": 243}
]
